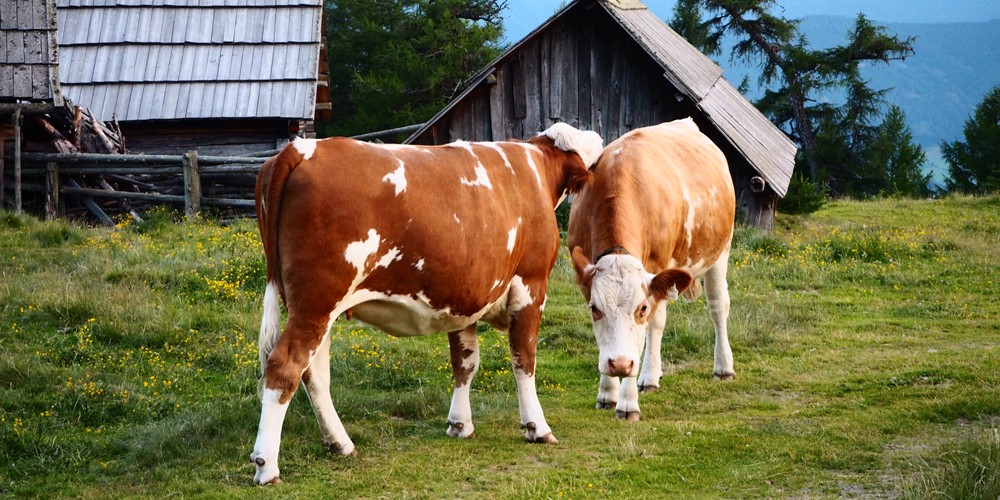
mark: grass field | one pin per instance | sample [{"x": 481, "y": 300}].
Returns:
[{"x": 866, "y": 339}]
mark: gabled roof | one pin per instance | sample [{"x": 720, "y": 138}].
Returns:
[
  {"x": 766, "y": 148},
  {"x": 178, "y": 59},
  {"x": 28, "y": 57}
]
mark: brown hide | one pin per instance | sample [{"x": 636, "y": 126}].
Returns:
[{"x": 650, "y": 186}]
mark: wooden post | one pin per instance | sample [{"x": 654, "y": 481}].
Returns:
[
  {"x": 51, "y": 190},
  {"x": 17, "y": 160},
  {"x": 2, "y": 150},
  {"x": 192, "y": 185}
]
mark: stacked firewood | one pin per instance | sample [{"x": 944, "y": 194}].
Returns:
[{"x": 71, "y": 129}]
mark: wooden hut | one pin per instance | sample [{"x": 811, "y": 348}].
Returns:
[
  {"x": 224, "y": 77},
  {"x": 612, "y": 66}
]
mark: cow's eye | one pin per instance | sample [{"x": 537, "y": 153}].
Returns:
[
  {"x": 642, "y": 312},
  {"x": 595, "y": 312}
]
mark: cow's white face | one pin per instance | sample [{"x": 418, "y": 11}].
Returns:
[{"x": 622, "y": 297}]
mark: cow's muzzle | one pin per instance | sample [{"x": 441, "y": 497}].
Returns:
[{"x": 621, "y": 366}]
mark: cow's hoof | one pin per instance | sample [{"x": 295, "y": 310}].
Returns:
[
  {"x": 631, "y": 416},
  {"x": 532, "y": 436},
  {"x": 606, "y": 405},
  {"x": 266, "y": 473},
  {"x": 345, "y": 450},
  {"x": 725, "y": 376},
  {"x": 546, "y": 439},
  {"x": 461, "y": 430},
  {"x": 648, "y": 388}
]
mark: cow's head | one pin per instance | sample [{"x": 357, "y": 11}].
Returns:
[{"x": 622, "y": 297}]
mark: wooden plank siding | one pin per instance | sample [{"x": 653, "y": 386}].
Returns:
[{"x": 612, "y": 67}]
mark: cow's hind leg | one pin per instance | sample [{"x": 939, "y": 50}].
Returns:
[
  {"x": 464, "y": 364},
  {"x": 317, "y": 381},
  {"x": 652, "y": 363},
  {"x": 717, "y": 295},
  {"x": 285, "y": 365},
  {"x": 523, "y": 338}
]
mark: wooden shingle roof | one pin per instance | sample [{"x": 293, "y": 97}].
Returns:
[
  {"x": 765, "y": 147},
  {"x": 181, "y": 59},
  {"x": 28, "y": 52}
]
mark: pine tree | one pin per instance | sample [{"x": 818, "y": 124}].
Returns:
[
  {"x": 396, "y": 62},
  {"x": 897, "y": 159},
  {"x": 974, "y": 165},
  {"x": 831, "y": 138}
]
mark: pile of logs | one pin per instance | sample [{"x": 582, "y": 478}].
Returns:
[{"x": 71, "y": 129}]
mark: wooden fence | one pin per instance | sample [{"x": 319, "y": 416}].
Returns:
[{"x": 56, "y": 176}]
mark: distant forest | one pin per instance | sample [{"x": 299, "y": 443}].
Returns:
[{"x": 955, "y": 65}]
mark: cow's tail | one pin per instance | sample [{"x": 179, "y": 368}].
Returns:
[{"x": 268, "y": 197}]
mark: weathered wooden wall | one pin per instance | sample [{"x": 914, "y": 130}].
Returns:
[
  {"x": 209, "y": 137},
  {"x": 586, "y": 71}
]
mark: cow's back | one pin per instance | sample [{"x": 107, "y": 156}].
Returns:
[{"x": 664, "y": 193}]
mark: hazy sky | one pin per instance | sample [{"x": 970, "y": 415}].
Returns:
[{"x": 522, "y": 16}]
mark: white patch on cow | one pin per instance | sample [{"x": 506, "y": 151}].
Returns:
[
  {"x": 358, "y": 252},
  {"x": 518, "y": 296},
  {"x": 689, "y": 223},
  {"x": 272, "y": 416},
  {"x": 496, "y": 283},
  {"x": 616, "y": 291},
  {"x": 503, "y": 154},
  {"x": 512, "y": 237},
  {"x": 457, "y": 221},
  {"x": 305, "y": 147},
  {"x": 585, "y": 143},
  {"x": 419, "y": 265},
  {"x": 482, "y": 179},
  {"x": 529, "y": 149},
  {"x": 464, "y": 145},
  {"x": 617, "y": 152},
  {"x": 397, "y": 178},
  {"x": 530, "y": 408},
  {"x": 392, "y": 255}
]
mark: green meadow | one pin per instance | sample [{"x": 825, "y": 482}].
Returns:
[{"x": 866, "y": 338}]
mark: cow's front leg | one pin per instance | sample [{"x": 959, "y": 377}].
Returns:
[
  {"x": 285, "y": 365},
  {"x": 607, "y": 392},
  {"x": 464, "y": 346},
  {"x": 317, "y": 382},
  {"x": 652, "y": 363},
  {"x": 628, "y": 400},
  {"x": 523, "y": 338}
]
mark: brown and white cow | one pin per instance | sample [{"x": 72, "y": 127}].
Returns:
[
  {"x": 413, "y": 240},
  {"x": 658, "y": 215}
]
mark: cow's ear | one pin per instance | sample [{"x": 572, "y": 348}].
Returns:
[
  {"x": 584, "y": 269},
  {"x": 668, "y": 284}
]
